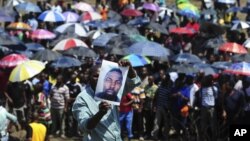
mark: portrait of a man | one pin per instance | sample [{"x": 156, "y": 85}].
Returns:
[{"x": 111, "y": 85}]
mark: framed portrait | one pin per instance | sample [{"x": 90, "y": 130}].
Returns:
[{"x": 111, "y": 81}]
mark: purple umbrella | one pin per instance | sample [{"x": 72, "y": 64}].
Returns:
[
  {"x": 70, "y": 16},
  {"x": 151, "y": 6}
]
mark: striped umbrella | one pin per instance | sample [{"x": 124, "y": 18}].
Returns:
[
  {"x": 51, "y": 16},
  {"x": 12, "y": 60},
  {"x": 26, "y": 70},
  {"x": 90, "y": 16},
  {"x": 137, "y": 60},
  {"x": 42, "y": 34},
  {"x": 82, "y": 6},
  {"x": 72, "y": 28},
  {"x": 69, "y": 43},
  {"x": 240, "y": 25},
  {"x": 19, "y": 26},
  {"x": 70, "y": 17},
  {"x": 233, "y": 48}
]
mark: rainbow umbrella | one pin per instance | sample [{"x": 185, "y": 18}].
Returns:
[
  {"x": 188, "y": 6},
  {"x": 26, "y": 70},
  {"x": 137, "y": 60},
  {"x": 12, "y": 60},
  {"x": 42, "y": 34},
  {"x": 19, "y": 26}
]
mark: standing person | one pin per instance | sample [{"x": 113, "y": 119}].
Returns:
[
  {"x": 59, "y": 96},
  {"x": 98, "y": 120},
  {"x": 103, "y": 9},
  {"x": 5, "y": 117}
]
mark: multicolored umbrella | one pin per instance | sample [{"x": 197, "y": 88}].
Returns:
[
  {"x": 242, "y": 68},
  {"x": 66, "y": 62},
  {"x": 12, "y": 60},
  {"x": 51, "y": 16},
  {"x": 182, "y": 30},
  {"x": 131, "y": 13},
  {"x": 233, "y": 48},
  {"x": 72, "y": 28},
  {"x": 189, "y": 13},
  {"x": 69, "y": 43},
  {"x": 19, "y": 26},
  {"x": 70, "y": 17},
  {"x": 42, "y": 34},
  {"x": 137, "y": 60},
  {"x": 46, "y": 55},
  {"x": 28, "y": 7},
  {"x": 240, "y": 25},
  {"x": 90, "y": 16},
  {"x": 82, "y": 6},
  {"x": 150, "y": 6},
  {"x": 26, "y": 70}
]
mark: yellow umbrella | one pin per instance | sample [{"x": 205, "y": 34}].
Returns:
[
  {"x": 189, "y": 6},
  {"x": 19, "y": 26},
  {"x": 26, "y": 70}
]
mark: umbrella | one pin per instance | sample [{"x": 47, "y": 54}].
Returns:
[
  {"x": 240, "y": 25},
  {"x": 205, "y": 68},
  {"x": 241, "y": 58},
  {"x": 103, "y": 24},
  {"x": 126, "y": 29},
  {"x": 82, "y": 6},
  {"x": 221, "y": 65},
  {"x": 209, "y": 11},
  {"x": 189, "y": 13},
  {"x": 26, "y": 70},
  {"x": 102, "y": 40},
  {"x": 19, "y": 26},
  {"x": 42, "y": 34},
  {"x": 7, "y": 14},
  {"x": 93, "y": 34},
  {"x": 90, "y": 16},
  {"x": 242, "y": 68},
  {"x": 69, "y": 43},
  {"x": 226, "y": 1},
  {"x": 185, "y": 69},
  {"x": 72, "y": 28},
  {"x": 139, "y": 21},
  {"x": 151, "y": 6},
  {"x": 51, "y": 16},
  {"x": 233, "y": 9},
  {"x": 11, "y": 42},
  {"x": 28, "y": 7},
  {"x": 14, "y": 2},
  {"x": 137, "y": 37},
  {"x": 46, "y": 55},
  {"x": 187, "y": 58},
  {"x": 188, "y": 6},
  {"x": 148, "y": 48},
  {"x": 117, "y": 44},
  {"x": 214, "y": 42},
  {"x": 137, "y": 60},
  {"x": 27, "y": 53},
  {"x": 181, "y": 1},
  {"x": 211, "y": 30},
  {"x": 66, "y": 62},
  {"x": 131, "y": 13},
  {"x": 182, "y": 30},
  {"x": 233, "y": 47},
  {"x": 114, "y": 15},
  {"x": 12, "y": 60},
  {"x": 158, "y": 28},
  {"x": 247, "y": 43},
  {"x": 4, "y": 50},
  {"x": 81, "y": 51},
  {"x": 34, "y": 46},
  {"x": 70, "y": 16}
]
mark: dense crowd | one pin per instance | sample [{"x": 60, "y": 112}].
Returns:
[{"x": 175, "y": 97}]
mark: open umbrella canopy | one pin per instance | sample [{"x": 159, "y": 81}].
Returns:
[
  {"x": 46, "y": 55},
  {"x": 126, "y": 29},
  {"x": 28, "y": 7},
  {"x": 26, "y": 70},
  {"x": 138, "y": 21},
  {"x": 182, "y": 30},
  {"x": 34, "y": 46},
  {"x": 241, "y": 58},
  {"x": 233, "y": 48},
  {"x": 247, "y": 43},
  {"x": 42, "y": 34},
  {"x": 11, "y": 42},
  {"x": 189, "y": 13},
  {"x": 114, "y": 15},
  {"x": 66, "y": 62},
  {"x": 131, "y": 13},
  {"x": 137, "y": 37},
  {"x": 137, "y": 60},
  {"x": 69, "y": 43},
  {"x": 240, "y": 25},
  {"x": 7, "y": 14},
  {"x": 209, "y": 11},
  {"x": 81, "y": 51},
  {"x": 226, "y": 1},
  {"x": 14, "y": 2},
  {"x": 148, "y": 48},
  {"x": 186, "y": 58},
  {"x": 214, "y": 42},
  {"x": 211, "y": 30},
  {"x": 103, "y": 24},
  {"x": 93, "y": 34},
  {"x": 185, "y": 69},
  {"x": 12, "y": 60},
  {"x": 102, "y": 40},
  {"x": 242, "y": 68},
  {"x": 150, "y": 6},
  {"x": 221, "y": 65},
  {"x": 90, "y": 16},
  {"x": 72, "y": 28},
  {"x": 70, "y": 16},
  {"x": 233, "y": 9},
  {"x": 82, "y": 6},
  {"x": 19, "y": 26},
  {"x": 51, "y": 16},
  {"x": 158, "y": 28}
]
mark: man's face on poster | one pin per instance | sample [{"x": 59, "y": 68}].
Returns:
[{"x": 112, "y": 82}]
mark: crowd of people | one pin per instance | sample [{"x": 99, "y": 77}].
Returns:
[{"x": 159, "y": 101}]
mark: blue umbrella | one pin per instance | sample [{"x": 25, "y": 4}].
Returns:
[
  {"x": 137, "y": 60},
  {"x": 221, "y": 65},
  {"x": 148, "y": 48},
  {"x": 233, "y": 9},
  {"x": 242, "y": 68},
  {"x": 7, "y": 14},
  {"x": 139, "y": 21},
  {"x": 102, "y": 40},
  {"x": 34, "y": 46},
  {"x": 66, "y": 62},
  {"x": 187, "y": 58},
  {"x": 103, "y": 24},
  {"x": 205, "y": 68},
  {"x": 51, "y": 16},
  {"x": 28, "y": 7}
]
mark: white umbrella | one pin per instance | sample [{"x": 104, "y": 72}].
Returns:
[
  {"x": 247, "y": 43},
  {"x": 227, "y": 1},
  {"x": 74, "y": 28},
  {"x": 14, "y": 2},
  {"x": 240, "y": 25},
  {"x": 82, "y": 6}
]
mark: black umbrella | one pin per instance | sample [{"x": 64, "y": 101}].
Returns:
[
  {"x": 34, "y": 46},
  {"x": 81, "y": 51},
  {"x": 214, "y": 42},
  {"x": 46, "y": 55},
  {"x": 117, "y": 44},
  {"x": 158, "y": 28},
  {"x": 66, "y": 62},
  {"x": 11, "y": 42},
  {"x": 211, "y": 30},
  {"x": 241, "y": 58},
  {"x": 126, "y": 29}
]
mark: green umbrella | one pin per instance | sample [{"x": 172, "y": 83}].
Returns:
[{"x": 181, "y": 1}]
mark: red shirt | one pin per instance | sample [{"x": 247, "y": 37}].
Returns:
[{"x": 126, "y": 99}]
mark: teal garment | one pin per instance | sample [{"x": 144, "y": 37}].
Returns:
[
  {"x": 85, "y": 107},
  {"x": 5, "y": 117}
]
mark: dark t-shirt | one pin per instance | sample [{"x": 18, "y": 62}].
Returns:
[{"x": 16, "y": 91}]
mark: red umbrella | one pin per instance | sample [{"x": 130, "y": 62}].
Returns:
[
  {"x": 182, "y": 30},
  {"x": 131, "y": 12},
  {"x": 233, "y": 47},
  {"x": 12, "y": 60}
]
